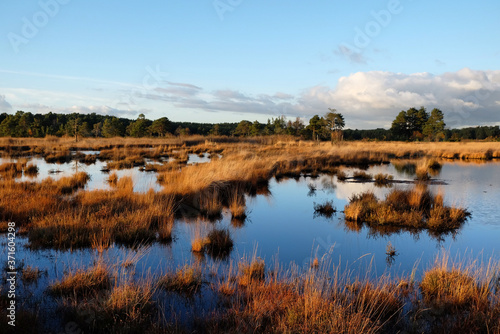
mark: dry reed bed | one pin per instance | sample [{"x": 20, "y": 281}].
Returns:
[{"x": 58, "y": 149}]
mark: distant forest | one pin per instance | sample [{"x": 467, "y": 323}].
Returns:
[{"x": 409, "y": 125}]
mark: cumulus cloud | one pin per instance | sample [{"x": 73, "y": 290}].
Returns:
[
  {"x": 367, "y": 99},
  {"x": 4, "y": 105},
  {"x": 467, "y": 97}
]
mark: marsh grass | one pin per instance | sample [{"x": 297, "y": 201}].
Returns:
[
  {"x": 237, "y": 204},
  {"x": 10, "y": 170},
  {"x": 251, "y": 270},
  {"x": 460, "y": 296},
  {"x": 416, "y": 208},
  {"x": 390, "y": 250},
  {"x": 187, "y": 279},
  {"x": 219, "y": 243},
  {"x": 362, "y": 175},
  {"x": 112, "y": 179},
  {"x": 341, "y": 176},
  {"x": 82, "y": 282},
  {"x": 31, "y": 170},
  {"x": 71, "y": 183},
  {"x": 31, "y": 274},
  {"x": 383, "y": 179},
  {"x": 127, "y": 308}
]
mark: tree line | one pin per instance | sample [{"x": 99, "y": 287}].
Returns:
[{"x": 409, "y": 125}]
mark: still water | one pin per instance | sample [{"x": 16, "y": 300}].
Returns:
[{"x": 282, "y": 224}]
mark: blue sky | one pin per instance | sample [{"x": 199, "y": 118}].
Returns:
[{"x": 228, "y": 60}]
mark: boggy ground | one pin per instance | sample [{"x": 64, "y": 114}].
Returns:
[{"x": 63, "y": 215}]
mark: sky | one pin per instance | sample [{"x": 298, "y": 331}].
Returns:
[{"x": 231, "y": 60}]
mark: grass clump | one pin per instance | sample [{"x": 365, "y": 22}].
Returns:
[
  {"x": 383, "y": 179},
  {"x": 129, "y": 303},
  {"x": 69, "y": 184},
  {"x": 187, "y": 279},
  {"x": 416, "y": 208},
  {"x": 113, "y": 179},
  {"x": 341, "y": 175},
  {"x": 31, "y": 274},
  {"x": 445, "y": 289},
  {"x": 363, "y": 176},
  {"x": 82, "y": 282},
  {"x": 198, "y": 245},
  {"x": 220, "y": 243},
  {"x": 31, "y": 170},
  {"x": 127, "y": 308},
  {"x": 237, "y": 205},
  {"x": 253, "y": 271}
]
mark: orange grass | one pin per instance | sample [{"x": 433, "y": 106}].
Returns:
[
  {"x": 82, "y": 282},
  {"x": 415, "y": 208}
]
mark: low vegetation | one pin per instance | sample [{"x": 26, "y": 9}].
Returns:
[
  {"x": 416, "y": 209},
  {"x": 82, "y": 282},
  {"x": 61, "y": 214},
  {"x": 187, "y": 279},
  {"x": 383, "y": 179}
]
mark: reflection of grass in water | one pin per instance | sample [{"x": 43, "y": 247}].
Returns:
[{"x": 326, "y": 209}]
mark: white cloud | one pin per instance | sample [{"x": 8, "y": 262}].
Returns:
[
  {"x": 467, "y": 97},
  {"x": 367, "y": 99},
  {"x": 4, "y": 105}
]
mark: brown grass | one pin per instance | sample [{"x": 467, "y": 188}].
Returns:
[
  {"x": 82, "y": 282},
  {"x": 416, "y": 209},
  {"x": 31, "y": 274},
  {"x": 187, "y": 279},
  {"x": 383, "y": 179}
]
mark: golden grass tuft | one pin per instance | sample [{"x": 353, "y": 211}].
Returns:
[
  {"x": 187, "y": 279},
  {"x": 383, "y": 179},
  {"x": 237, "y": 204},
  {"x": 82, "y": 282},
  {"x": 113, "y": 179},
  {"x": 251, "y": 271},
  {"x": 130, "y": 301},
  {"x": 416, "y": 209}
]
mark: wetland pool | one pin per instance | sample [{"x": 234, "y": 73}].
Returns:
[{"x": 282, "y": 224}]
